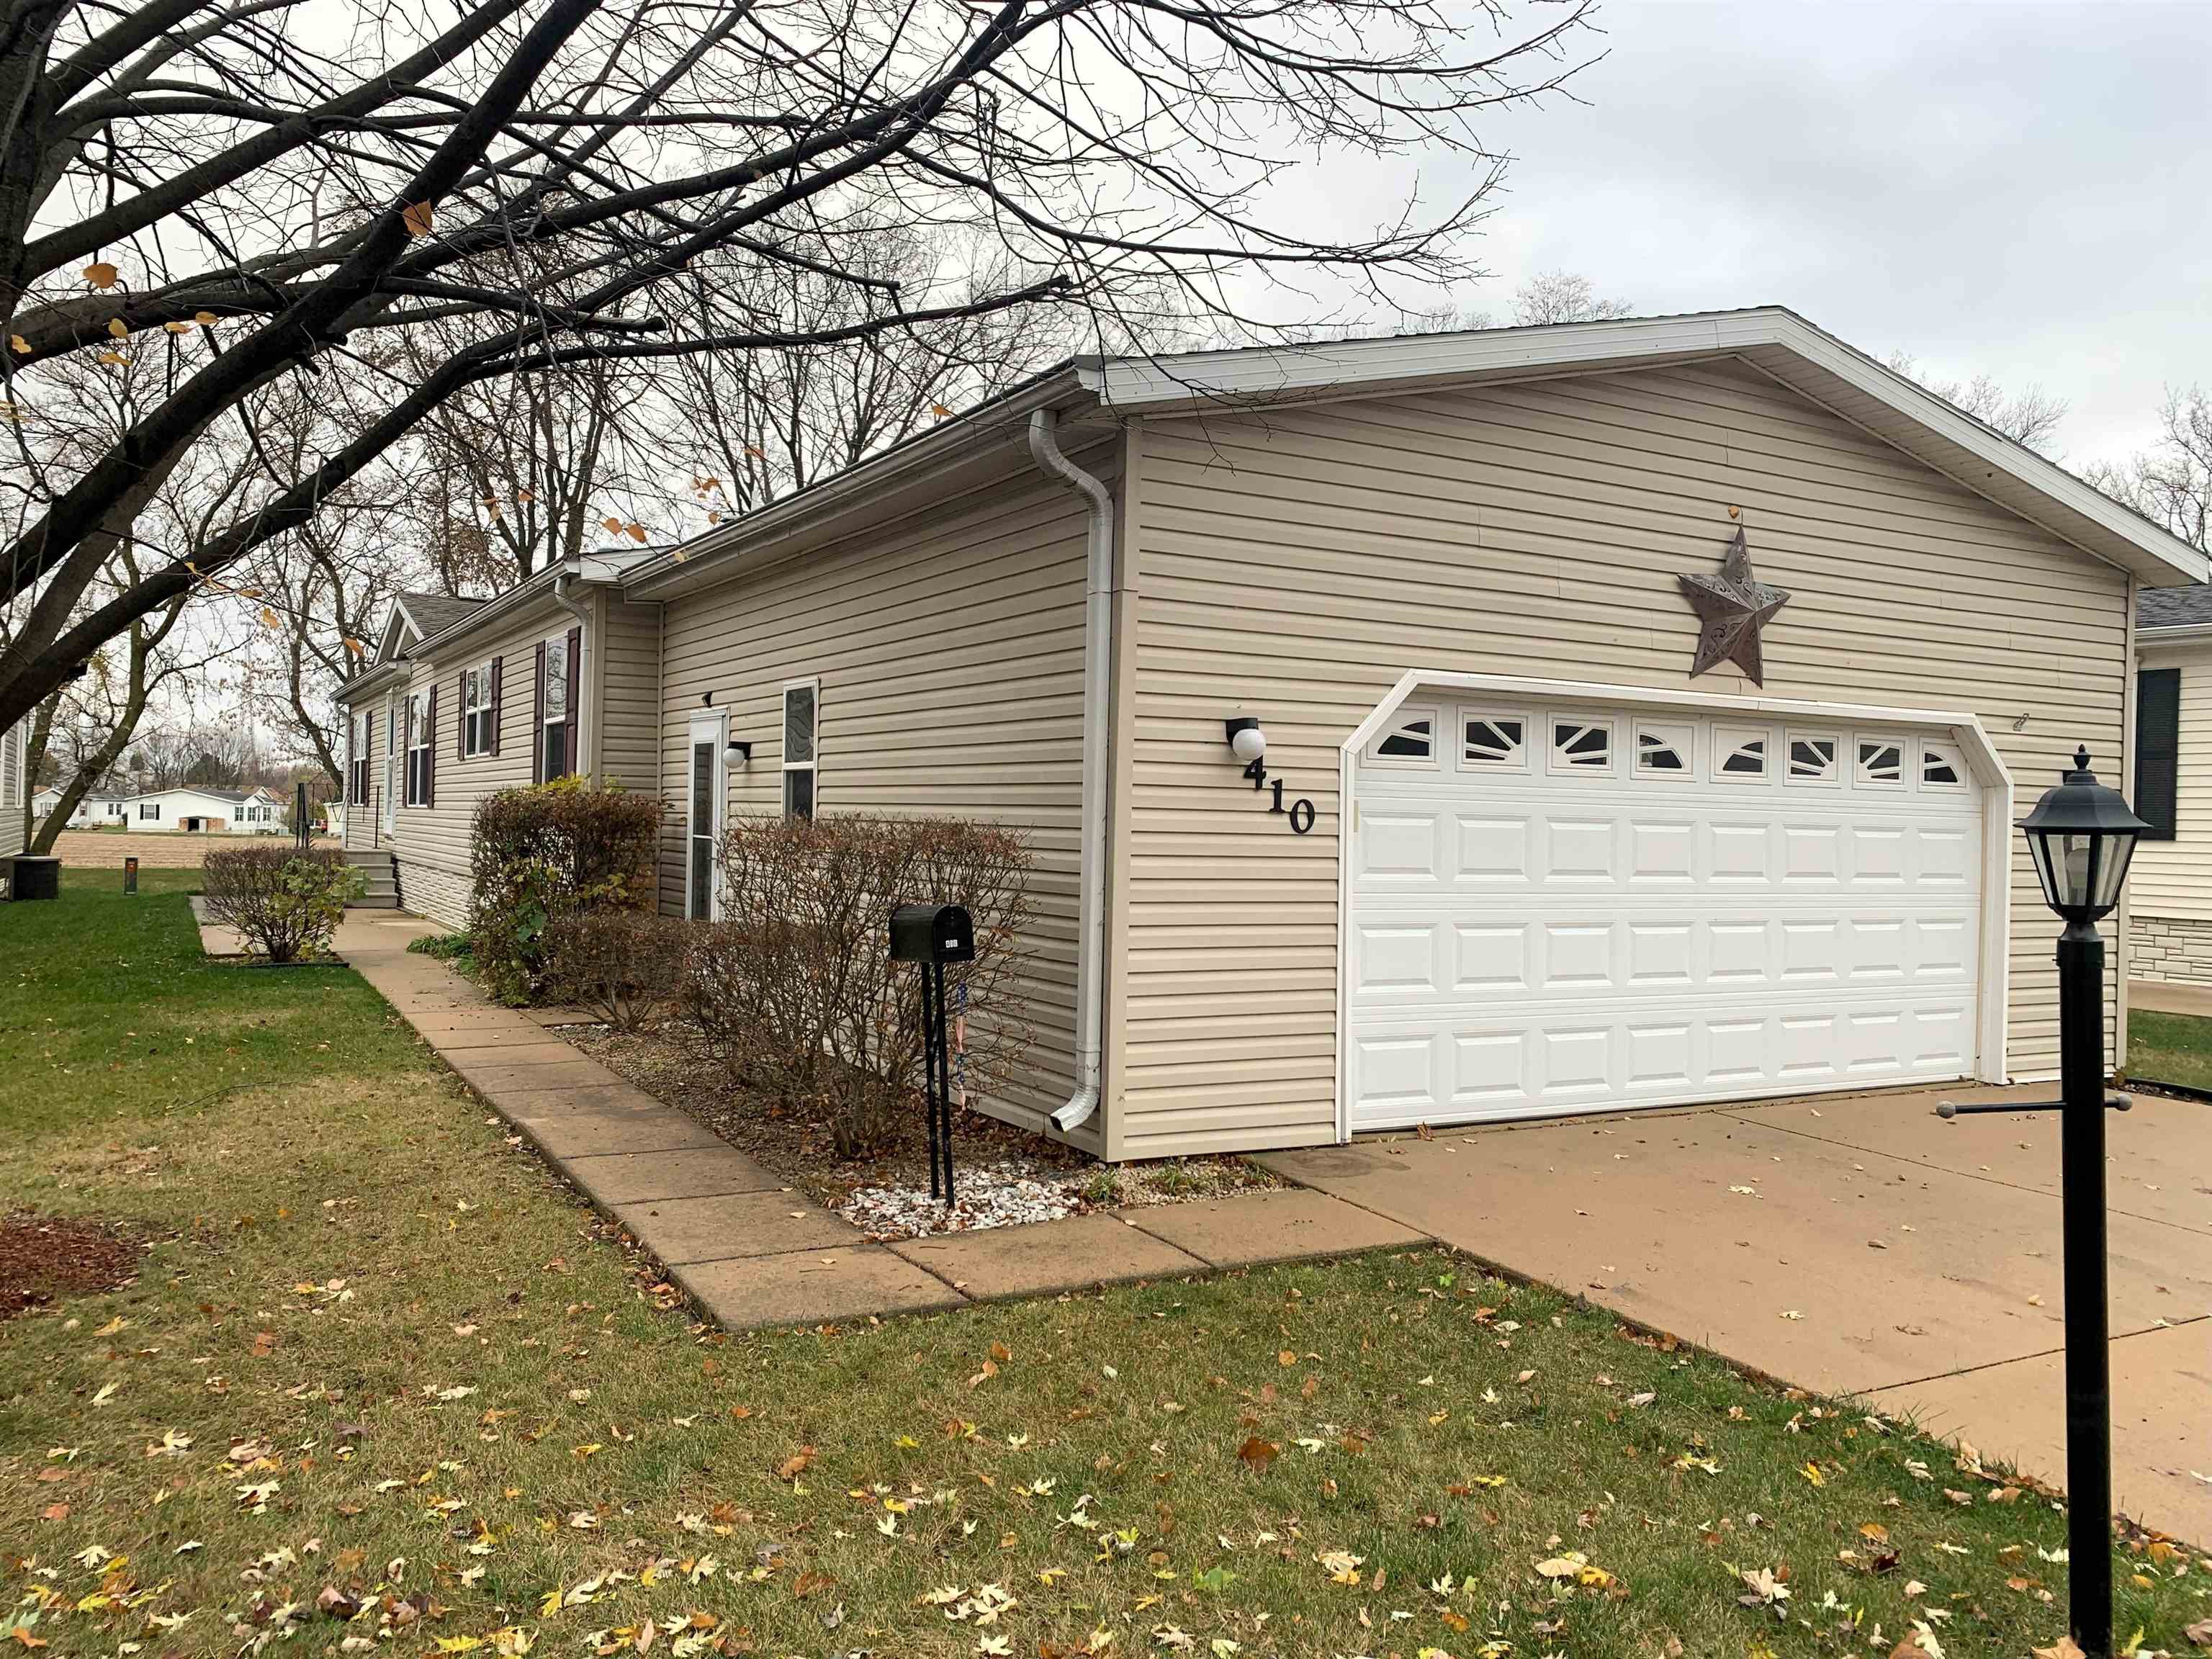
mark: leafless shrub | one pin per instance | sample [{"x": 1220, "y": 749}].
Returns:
[
  {"x": 797, "y": 990},
  {"x": 624, "y": 965},
  {"x": 286, "y": 903}
]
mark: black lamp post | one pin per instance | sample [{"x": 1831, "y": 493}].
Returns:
[{"x": 2082, "y": 835}]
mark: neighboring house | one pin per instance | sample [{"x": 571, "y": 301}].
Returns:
[
  {"x": 204, "y": 810},
  {"x": 95, "y": 811},
  {"x": 15, "y": 744},
  {"x": 1646, "y": 703},
  {"x": 464, "y": 697},
  {"x": 2170, "y": 889}
]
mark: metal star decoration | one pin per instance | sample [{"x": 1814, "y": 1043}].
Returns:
[{"x": 1733, "y": 607}]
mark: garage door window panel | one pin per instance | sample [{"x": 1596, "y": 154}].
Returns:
[
  {"x": 1410, "y": 742},
  {"x": 1666, "y": 753},
  {"x": 1814, "y": 760},
  {"x": 1880, "y": 761},
  {"x": 1491, "y": 741},
  {"x": 1742, "y": 754},
  {"x": 1942, "y": 767},
  {"x": 1582, "y": 744}
]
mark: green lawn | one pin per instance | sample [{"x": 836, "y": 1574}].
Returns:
[
  {"x": 2169, "y": 1048},
  {"x": 383, "y": 1376}
]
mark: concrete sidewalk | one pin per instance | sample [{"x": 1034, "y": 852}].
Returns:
[
  {"x": 749, "y": 1249},
  {"x": 1856, "y": 1245}
]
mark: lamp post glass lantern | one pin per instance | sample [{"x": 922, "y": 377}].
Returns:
[{"x": 2081, "y": 835}]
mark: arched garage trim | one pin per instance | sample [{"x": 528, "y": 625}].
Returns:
[{"x": 1990, "y": 772}]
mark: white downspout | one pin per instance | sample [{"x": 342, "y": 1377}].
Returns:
[
  {"x": 585, "y": 724},
  {"x": 1097, "y": 687}
]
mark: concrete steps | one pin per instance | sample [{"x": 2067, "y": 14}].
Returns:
[{"x": 379, "y": 879}]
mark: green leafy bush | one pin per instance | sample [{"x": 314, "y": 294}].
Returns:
[
  {"x": 285, "y": 903},
  {"x": 796, "y": 991},
  {"x": 542, "y": 854}
]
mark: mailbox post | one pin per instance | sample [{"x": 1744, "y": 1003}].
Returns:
[{"x": 930, "y": 936}]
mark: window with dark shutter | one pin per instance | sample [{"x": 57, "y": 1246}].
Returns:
[{"x": 2158, "y": 749}]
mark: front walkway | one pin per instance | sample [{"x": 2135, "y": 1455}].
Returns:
[
  {"x": 1857, "y": 1246},
  {"x": 753, "y": 1251}
]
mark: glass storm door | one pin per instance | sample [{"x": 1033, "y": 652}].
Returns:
[{"x": 703, "y": 819}]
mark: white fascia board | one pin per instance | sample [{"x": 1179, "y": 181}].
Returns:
[
  {"x": 1344, "y": 368},
  {"x": 2150, "y": 639}
]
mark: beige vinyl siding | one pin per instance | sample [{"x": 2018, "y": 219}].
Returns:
[
  {"x": 627, "y": 696},
  {"x": 948, "y": 648},
  {"x": 15, "y": 791},
  {"x": 1293, "y": 564},
  {"x": 430, "y": 844},
  {"x": 2174, "y": 879}
]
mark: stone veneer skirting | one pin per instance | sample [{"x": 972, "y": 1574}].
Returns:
[{"x": 2170, "y": 949}]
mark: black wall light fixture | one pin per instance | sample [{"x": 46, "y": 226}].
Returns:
[{"x": 740, "y": 754}]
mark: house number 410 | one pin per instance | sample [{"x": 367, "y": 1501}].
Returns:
[{"x": 1301, "y": 810}]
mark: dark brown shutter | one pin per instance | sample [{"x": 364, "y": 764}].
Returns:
[
  {"x": 2158, "y": 749},
  {"x": 430, "y": 749},
  {"x": 537, "y": 722},
  {"x": 568, "y": 756},
  {"x": 368, "y": 748},
  {"x": 493, "y": 695}
]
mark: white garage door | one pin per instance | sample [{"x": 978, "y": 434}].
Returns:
[{"x": 1573, "y": 909}]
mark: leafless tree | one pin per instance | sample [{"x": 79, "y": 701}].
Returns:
[
  {"x": 1549, "y": 296},
  {"x": 1563, "y": 296},
  {"x": 2031, "y": 417},
  {"x": 2170, "y": 483},
  {"x": 220, "y": 180}
]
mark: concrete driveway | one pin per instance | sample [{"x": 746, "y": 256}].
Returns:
[{"x": 1857, "y": 1245}]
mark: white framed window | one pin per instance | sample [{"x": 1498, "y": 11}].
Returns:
[
  {"x": 479, "y": 710},
  {"x": 1665, "y": 751},
  {"x": 1879, "y": 762},
  {"x": 707, "y": 787},
  {"x": 1742, "y": 754},
  {"x": 418, "y": 750},
  {"x": 1410, "y": 739},
  {"x": 1579, "y": 745},
  {"x": 1491, "y": 740},
  {"x": 150, "y": 810},
  {"x": 802, "y": 724},
  {"x": 1942, "y": 766},
  {"x": 553, "y": 724},
  {"x": 1812, "y": 757}
]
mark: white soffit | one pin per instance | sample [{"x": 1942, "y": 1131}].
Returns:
[{"x": 1778, "y": 343}]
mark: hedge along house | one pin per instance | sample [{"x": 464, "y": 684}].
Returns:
[
  {"x": 1644, "y": 704},
  {"x": 2170, "y": 901},
  {"x": 557, "y": 676}
]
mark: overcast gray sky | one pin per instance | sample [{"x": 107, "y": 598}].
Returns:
[{"x": 2019, "y": 188}]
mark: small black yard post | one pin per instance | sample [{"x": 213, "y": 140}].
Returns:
[
  {"x": 2082, "y": 835},
  {"x": 930, "y": 936}
]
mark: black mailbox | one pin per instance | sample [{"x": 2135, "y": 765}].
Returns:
[{"x": 933, "y": 933}]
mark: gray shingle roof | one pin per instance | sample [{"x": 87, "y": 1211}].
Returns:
[
  {"x": 433, "y": 613},
  {"x": 2173, "y": 607}
]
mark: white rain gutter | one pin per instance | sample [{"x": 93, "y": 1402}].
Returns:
[{"x": 1097, "y": 686}]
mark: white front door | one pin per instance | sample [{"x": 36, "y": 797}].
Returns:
[
  {"x": 707, "y": 786},
  {"x": 1558, "y": 907}
]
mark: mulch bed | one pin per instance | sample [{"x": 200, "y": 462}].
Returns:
[
  {"x": 1006, "y": 1175},
  {"x": 43, "y": 1257}
]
